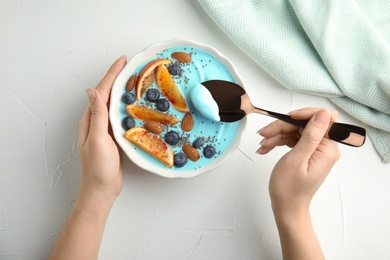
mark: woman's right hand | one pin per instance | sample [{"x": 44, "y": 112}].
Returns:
[
  {"x": 298, "y": 175},
  {"x": 300, "y": 172}
]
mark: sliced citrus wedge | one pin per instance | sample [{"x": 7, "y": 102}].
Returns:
[
  {"x": 170, "y": 89},
  {"x": 146, "y": 76},
  {"x": 147, "y": 114},
  {"x": 151, "y": 143}
]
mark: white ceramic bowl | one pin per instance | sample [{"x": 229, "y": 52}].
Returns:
[{"x": 141, "y": 158}]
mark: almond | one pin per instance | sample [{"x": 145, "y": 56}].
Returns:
[
  {"x": 131, "y": 82},
  {"x": 187, "y": 123},
  {"x": 191, "y": 152},
  {"x": 181, "y": 56},
  {"x": 153, "y": 127}
]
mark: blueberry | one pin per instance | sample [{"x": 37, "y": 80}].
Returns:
[
  {"x": 128, "y": 123},
  {"x": 175, "y": 69},
  {"x": 209, "y": 151},
  {"x": 162, "y": 104},
  {"x": 180, "y": 159},
  {"x": 198, "y": 143},
  {"x": 172, "y": 137},
  {"x": 128, "y": 98},
  {"x": 152, "y": 95}
]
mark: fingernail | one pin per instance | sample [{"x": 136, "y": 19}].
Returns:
[
  {"x": 263, "y": 141},
  {"x": 260, "y": 150},
  {"x": 91, "y": 94},
  {"x": 322, "y": 117},
  {"x": 261, "y": 130},
  {"x": 123, "y": 56}
]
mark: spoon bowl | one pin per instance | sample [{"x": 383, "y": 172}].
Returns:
[{"x": 234, "y": 104}]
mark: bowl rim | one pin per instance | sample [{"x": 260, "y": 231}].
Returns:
[{"x": 114, "y": 116}]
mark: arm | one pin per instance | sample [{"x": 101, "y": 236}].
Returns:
[
  {"x": 297, "y": 176},
  {"x": 101, "y": 177},
  {"x": 83, "y": 231}
]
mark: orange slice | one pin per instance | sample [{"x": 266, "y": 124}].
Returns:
[
  {"x": 170, "y": 89},
  {"x": 147, "y": 114},
  {"x": 151, "y": 143},
  {"x": 146, "y": 76}
]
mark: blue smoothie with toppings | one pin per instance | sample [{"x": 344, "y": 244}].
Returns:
[{"x": 216, "y": 136}]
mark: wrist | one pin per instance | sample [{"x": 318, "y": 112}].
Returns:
[
  {"x": 94, "y": 203},
  {"x": 95, "y": 190},
  {"x": 292, "y": 215}
]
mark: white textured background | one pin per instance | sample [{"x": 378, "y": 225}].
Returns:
[{"x": 51, "y": 51}]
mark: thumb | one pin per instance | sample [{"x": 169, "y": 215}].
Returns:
[
  {"x": 99, "y": 113},
  {"x": 312, "y": 135}
]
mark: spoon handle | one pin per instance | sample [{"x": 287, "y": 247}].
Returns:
[{"x": 343, "y": 133}]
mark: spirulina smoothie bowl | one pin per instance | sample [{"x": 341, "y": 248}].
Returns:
[{"x": 153, "y": 117}]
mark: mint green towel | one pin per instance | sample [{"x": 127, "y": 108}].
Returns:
[{"x": 339, "y": 49}]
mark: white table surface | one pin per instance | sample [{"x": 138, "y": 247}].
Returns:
[{"x": 51, "y": 51}]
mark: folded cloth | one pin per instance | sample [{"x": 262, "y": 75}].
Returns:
[{"x": 335, "y": 49}]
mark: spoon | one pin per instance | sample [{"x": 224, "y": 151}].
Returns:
[{"x": 234, "y": 104}]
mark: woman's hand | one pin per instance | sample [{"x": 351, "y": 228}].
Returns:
[
  {"x": 101, "y": 176},
  {"x": 297, "y": 176},
  {"x": 101, "y": 166}
]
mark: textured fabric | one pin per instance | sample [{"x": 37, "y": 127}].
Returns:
[{"x": 335, "y": 49}]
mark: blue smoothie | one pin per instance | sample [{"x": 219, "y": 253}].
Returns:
[{"x": 203, "y": 67}]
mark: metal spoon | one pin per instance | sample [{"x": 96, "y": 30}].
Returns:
[{"x": 234, "y": 104}]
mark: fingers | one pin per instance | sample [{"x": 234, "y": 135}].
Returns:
[
  {"x": 312, "y": 135},
  {"x": 99, "y": 114},
  {"x": 280, "y": 133},
  {"x": 105, "y": 85},
  {"x": 104, "y": 89},
  {"x": 277, "y": 127},
  {"x": 267, "y": 144},
  {"x": 84, "y": 126},
  {"x": 306, "y": 113}
]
